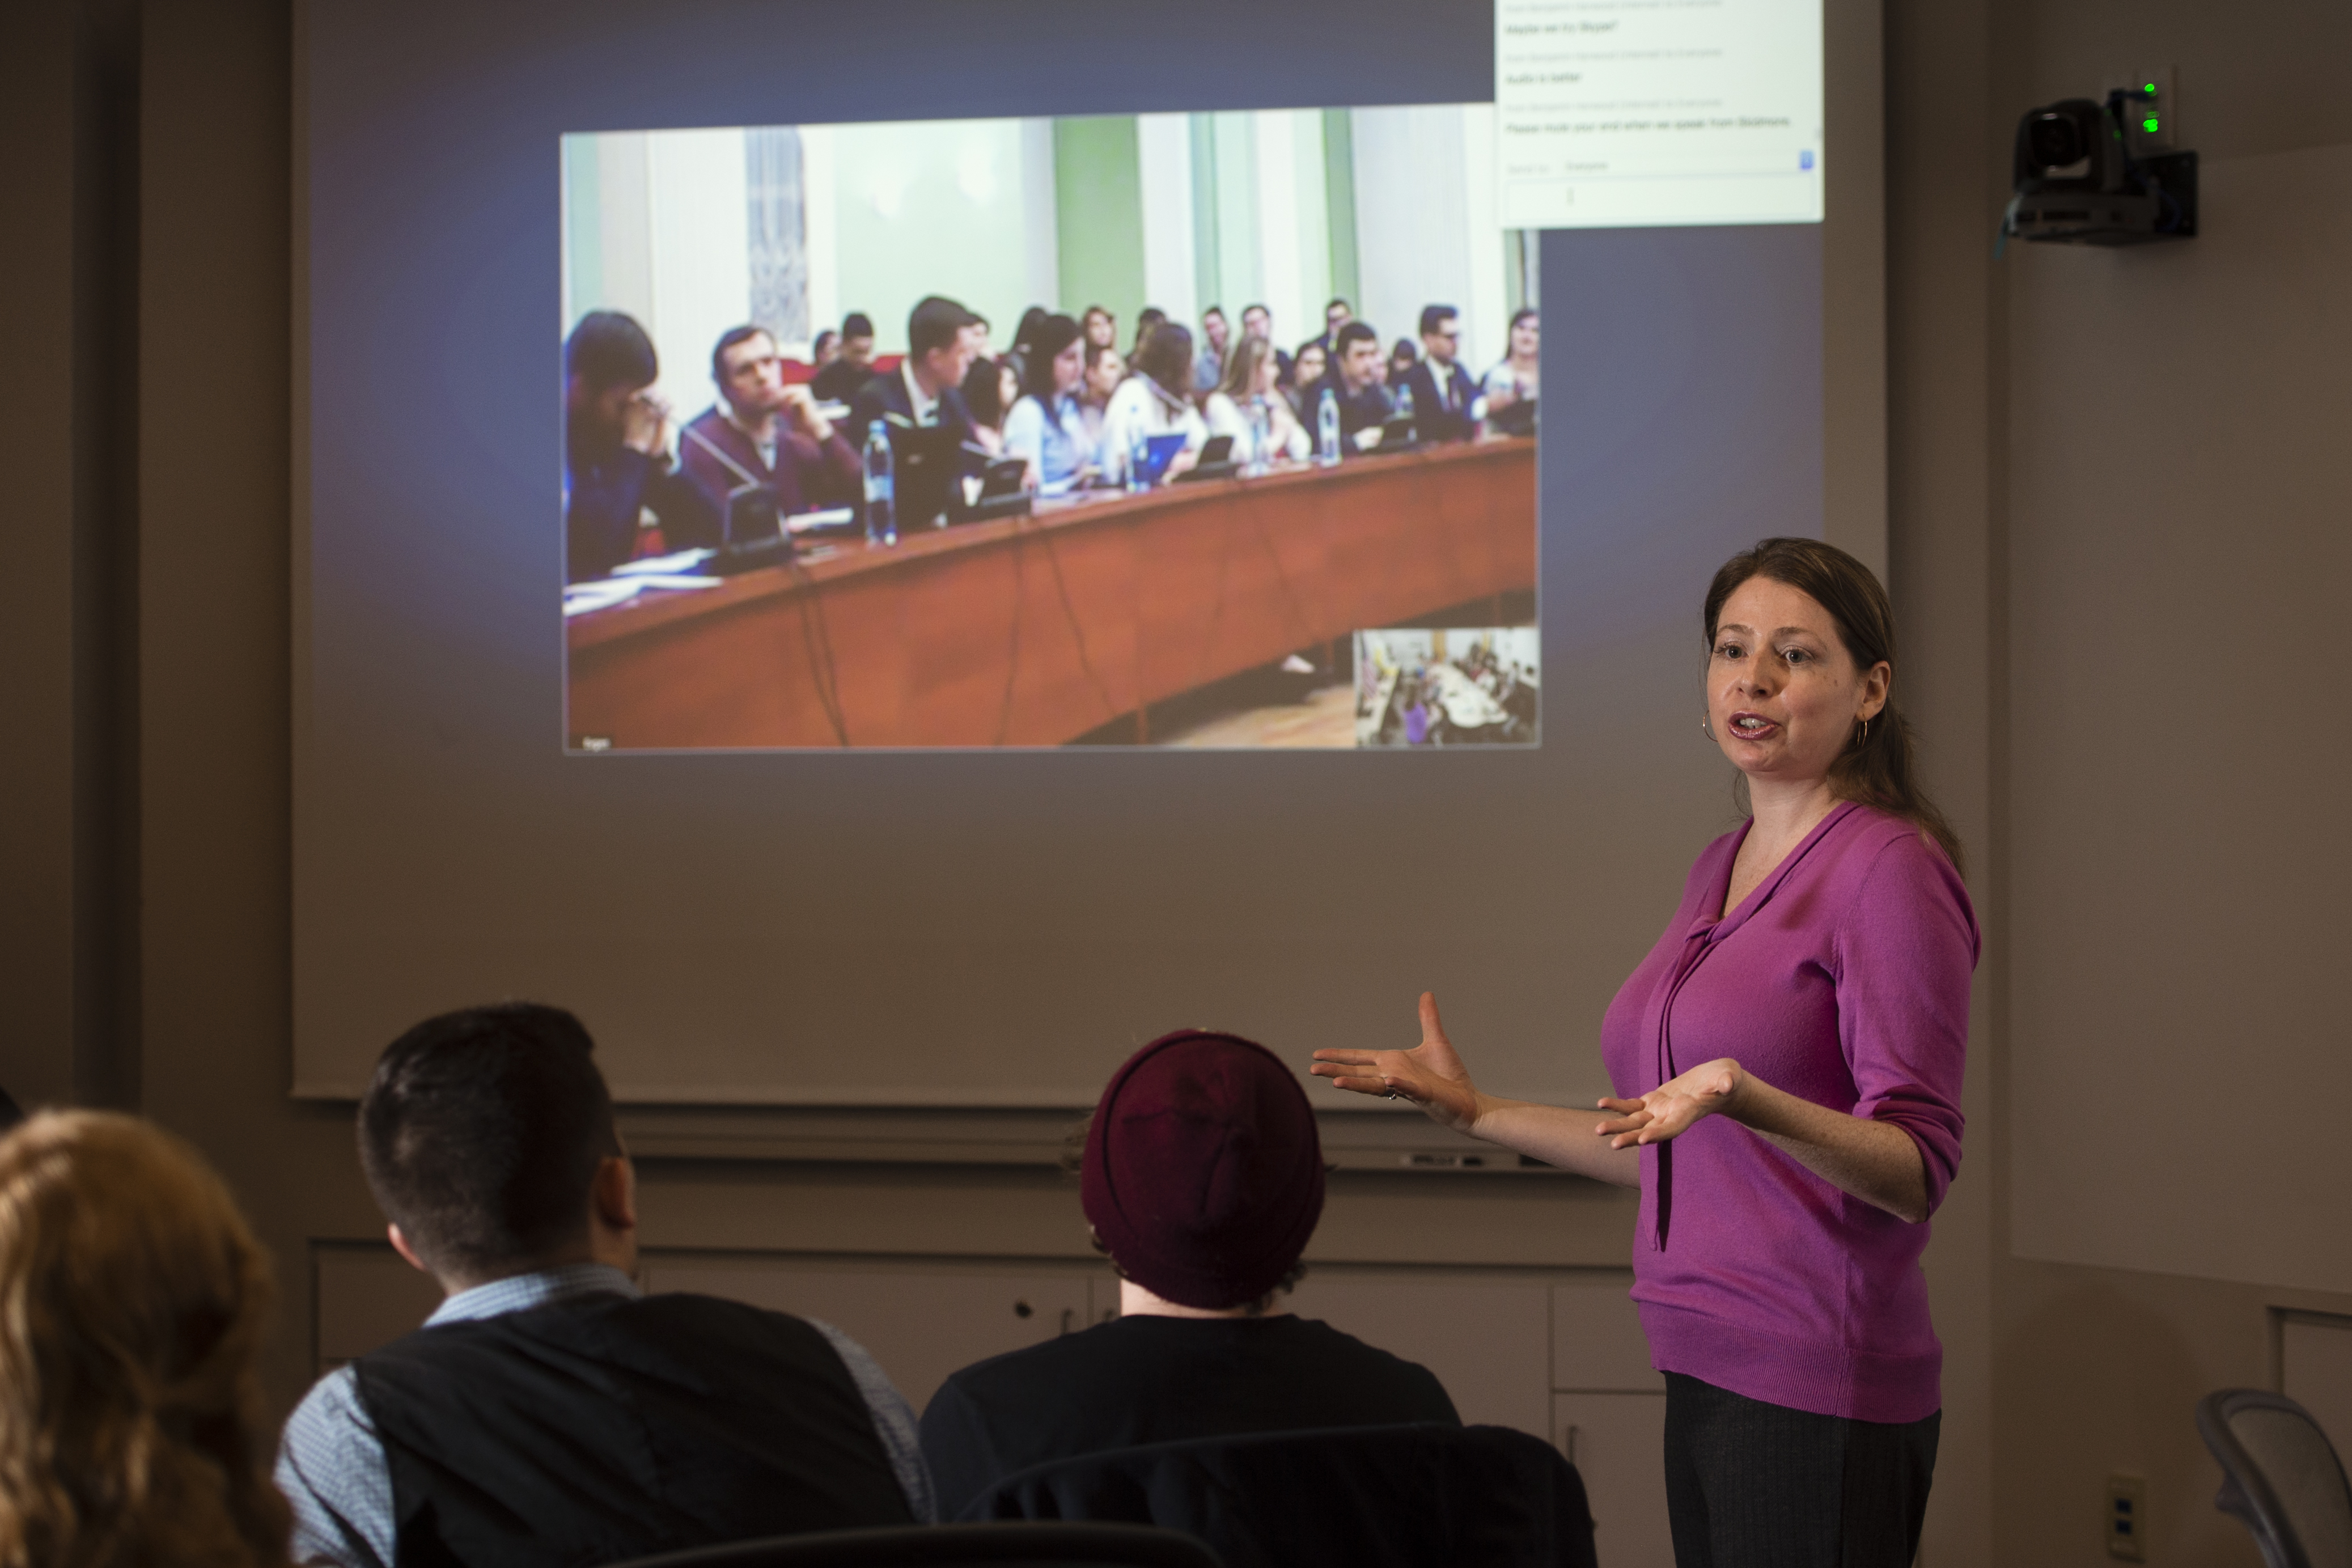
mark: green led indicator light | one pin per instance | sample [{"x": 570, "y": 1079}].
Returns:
[
  {"x": 2149, "y": 88},
  {"x": 2148, "y": 125}
]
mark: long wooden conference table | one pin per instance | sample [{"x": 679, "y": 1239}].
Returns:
[{"x": 1037, "y": 630}]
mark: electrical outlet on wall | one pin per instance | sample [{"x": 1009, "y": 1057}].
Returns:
[
  {"x": 2148, "y": 119},
  {"x": 2127, "y": 1518}
]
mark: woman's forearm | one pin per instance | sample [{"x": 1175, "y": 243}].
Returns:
[
  {"x": 1558, "y": 1136},
  {"x": 1874, "y": 1161}
]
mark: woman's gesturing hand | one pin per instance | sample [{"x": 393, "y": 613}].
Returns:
[
  {"x": 1430, "y": 1074},
  {"x": 1674, "y": 1106}
]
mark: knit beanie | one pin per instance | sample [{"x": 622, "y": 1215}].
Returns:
[{"x": 1203, "y": 1175}]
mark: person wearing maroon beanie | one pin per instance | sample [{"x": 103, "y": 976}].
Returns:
[{"x": 1202, "y": 1179}]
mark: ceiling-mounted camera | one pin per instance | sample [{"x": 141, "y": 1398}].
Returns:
[{"x": 2079, "y": 183}]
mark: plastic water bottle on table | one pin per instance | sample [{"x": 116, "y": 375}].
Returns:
[{"x": 881, "y": 489}]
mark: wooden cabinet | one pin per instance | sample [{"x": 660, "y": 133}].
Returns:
[
  {"x": 1597, "y": 1344},
  {"x": 1609, "y": 1416},
  {"x": 1617, "y": 1443}
]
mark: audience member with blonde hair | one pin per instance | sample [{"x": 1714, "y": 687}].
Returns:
[
  {"x": 132, "y": 1298},
  {"x": 1248, "y": 406}
]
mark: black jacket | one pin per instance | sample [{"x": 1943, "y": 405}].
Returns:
[
  {"x": 887, "y": 393},
  {"x": 1432, "y": 420},
  {"x": 1156, "y": 1380}
]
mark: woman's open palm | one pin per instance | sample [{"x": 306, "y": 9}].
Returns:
[
  {"x": 1430, "y": 1074},
  {"x": 1673, "y": 1106}
]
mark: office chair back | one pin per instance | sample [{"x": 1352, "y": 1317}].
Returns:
[
  {"x": 1369, "y": 1497},
  {"x": 955, "y": 1546},
  {"x": 2280, "y": 1476}
]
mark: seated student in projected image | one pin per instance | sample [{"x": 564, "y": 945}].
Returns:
[
  {"x": 1202, "y": 1178},
  {"x": 1150, "y": 316},
  {"x": 927, "y": 389},
  {"x": 1024, "y": 337},
  {"x": 991, "y": 387},
  {"x": 1106, "y": 368},
  {"x": 1248, "y": 406},
  {"x": 1047, "y": 429},
  {"x": 1354, "y": 382},
  {"x": 1336, "y": 314},
  {"x": 616, "y": 463},
  {"x": 1216, "y": 339},
  {"x": 1156, "y": 400},
  {"x": 1257, "y": 321},
  {"x": 1512, "y": 386},
  {"x": 1444, "y": 398},
  {"x": 852, "y": 367},
  {"x": 762, "y": 432},
  {"x": 1100, "y": 327},
  {"x": 1402, "y": 357},
  {"x": 550, "y": 1412},
  {"x": 1300, "y": 388}
]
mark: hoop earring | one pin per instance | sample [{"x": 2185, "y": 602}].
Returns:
[
  {"x": 1705, "y": 727},
  {"x": 1863, "y": 739}
]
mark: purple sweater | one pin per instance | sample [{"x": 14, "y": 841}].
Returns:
[{"x": 1844, "y": 980}]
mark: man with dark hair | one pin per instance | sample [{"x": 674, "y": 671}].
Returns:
[
  {"x": 853, "y": 367},
  {"x": 1336, "y": 315},
  {"x": 616, "y": 462},
  {"x": 548, "y": 1412},
  {"x": 1354, "y": 379},
  {"x": 762, "y": 432},
  {"x": 1209, "y": 366},
  {"x": 1444, "y": 396},
  {"x": 927, "y": 389},
  {"x": 1202, "y": 1179}
]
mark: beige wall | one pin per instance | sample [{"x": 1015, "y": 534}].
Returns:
[{"x": 2058, "y": 1373}]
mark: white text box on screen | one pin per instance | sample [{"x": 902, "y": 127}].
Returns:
[{"x": 1614, "y": 113}]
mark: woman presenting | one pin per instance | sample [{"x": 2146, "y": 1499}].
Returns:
[{"x": 1787, "y": 1063}]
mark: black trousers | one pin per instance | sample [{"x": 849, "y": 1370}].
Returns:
[{"x": 1751, "y": 1484}]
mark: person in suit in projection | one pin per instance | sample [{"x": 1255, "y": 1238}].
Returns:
[
  {"x": 943, "y": 339},
  {"x": 1445, "y": 398}
]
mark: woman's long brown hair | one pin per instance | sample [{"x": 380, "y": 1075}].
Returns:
[
  {"x": 132, "y": 1298},
  {"x": 1880, "y": 766}
]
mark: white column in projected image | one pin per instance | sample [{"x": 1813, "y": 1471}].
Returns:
[{"x": 1628, "y": 113}]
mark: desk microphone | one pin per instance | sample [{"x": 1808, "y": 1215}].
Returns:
[{"x": 752, "y": 533}]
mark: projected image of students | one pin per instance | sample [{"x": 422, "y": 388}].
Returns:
[{"x": 999, "y": 443}]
